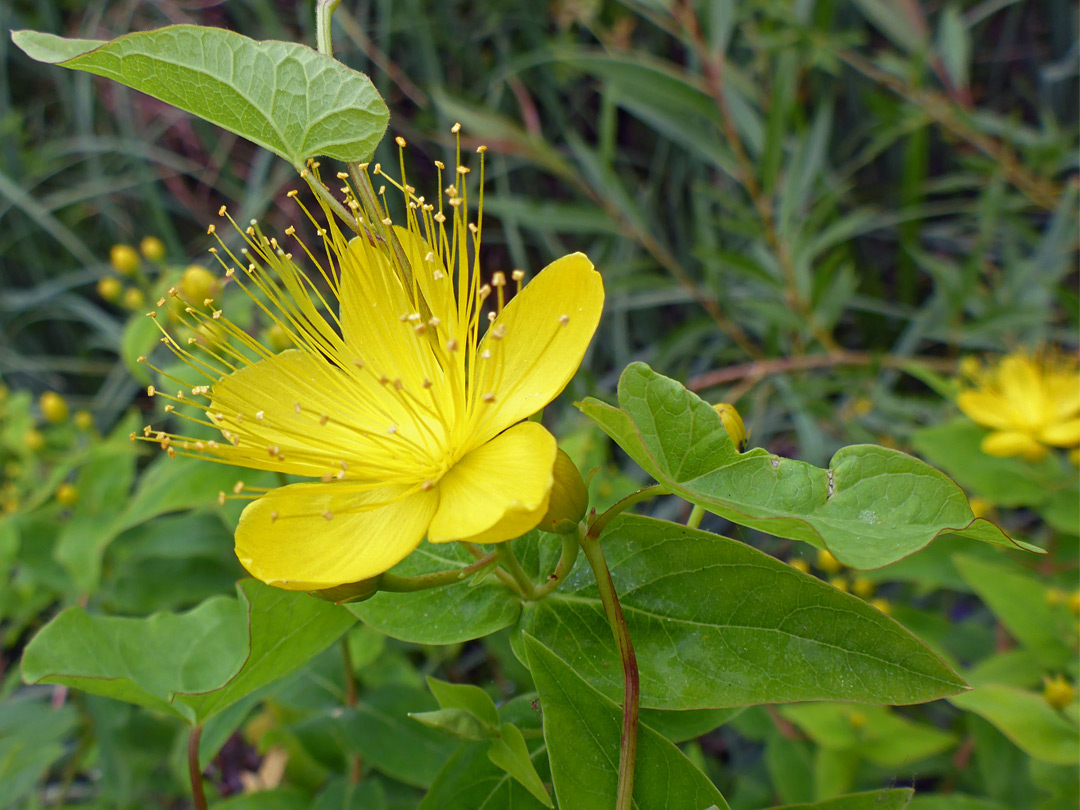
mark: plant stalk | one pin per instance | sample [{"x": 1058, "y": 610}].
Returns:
[
  {"x": 198, "y": 797},
  {"x": 403, "y": 584},
  {"x": 571, "y": 545},
  {"x": 590, "y": 544},
  {"x": 696, "y": 514}
]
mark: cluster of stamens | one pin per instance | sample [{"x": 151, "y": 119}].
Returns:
[{"x": 363, "y": 421}]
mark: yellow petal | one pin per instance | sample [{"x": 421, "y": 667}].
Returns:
[
  {"x": 498, "y": 491},
  {"x": 1063, "y": 391},
  {"x": 307, "y": 537},
  {"x": 1063, "y": 434},
  {"x": 545, "y": 330},
  {"x": 277, "y": 406},
  {"x": 1020, "y": 380},
  {"x": 1008, "y": 443},
  {"x": 986, "y": 409}
]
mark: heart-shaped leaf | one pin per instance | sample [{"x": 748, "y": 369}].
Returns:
[
  {"x": 191, "y": 664},
  {"x": 873, "y": 505},
  {"x": 286, "y": 97}
]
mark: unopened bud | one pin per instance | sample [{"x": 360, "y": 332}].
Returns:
[
  {"x": 84, "y": 420},
  {"x": 733, "y": 424},
  {"x": 67, "y": 494},
  {"x": 109, "y": 288},
  {"x": 124, "y": 259},
  {"x": 569, "y": 497},
  {"x": 134, "y": 298},
  {"x": 1058, "y": 692},
  {"x": 862, "y": 588},
  {"x": 53, "y": 407},
  {"x": 152, "y": 248},
  {"x": 198, "y": 284},
  {"x": 33, "y": 440},
  {"x": 277, "y": 338},
  {"x": 828, "y": 563}
]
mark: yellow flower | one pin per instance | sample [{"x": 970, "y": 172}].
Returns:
[
  {"x": 404, "y": 410},
  {"x": 1029, "y": 402}
]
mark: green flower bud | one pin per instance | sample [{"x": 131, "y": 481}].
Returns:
[
  {"x": 198, "y": 284},
  {"x": 569, "y": 498}
]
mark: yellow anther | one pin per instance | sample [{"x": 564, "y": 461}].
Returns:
[
  {"x": 150, "y": 390},
  {"x": 564, "y": 319},
  {"x": 440, "y": 165},
  {"x": 518, "y": 275},
  {"x": 481, "y": 149},
  {"x": 400, "y": 141},
  {"x": 456, "y": 128},
  {"x": 221, "y": 211},
  {"x": 488, "y": 397},
  {"x": 238, "y": 487}
]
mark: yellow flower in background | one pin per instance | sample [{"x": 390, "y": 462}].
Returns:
[
  {"x": 1030, "y": 403},
  {"x": 402, "y": 396}
]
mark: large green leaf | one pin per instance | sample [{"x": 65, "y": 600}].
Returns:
[
  {"x": 717, "y": 623},
  {"x": 582, "y": 728},
  {"x": 873, "y": 505},
  {"x": 445, "y": 615},
  {"x": 285, "y": 97},
  {"x": 1027, "y": 720},
  {"x": 193, "y": 664}
]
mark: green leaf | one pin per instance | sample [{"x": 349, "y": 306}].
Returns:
[
  {"x": 509, "y": 753},
  {"x": 276, "y": 799},
  {"x": 285, "y": 630},
  {"x": 140, "y": 338},
  {"x": 446, "y": 615},
  {"x": 285, "y": 97},
  {"x": 890, "y": 799},
  {"x": 457, "y": 723},
  {"x": 696, "y": 602},
  {"x": 1027, "y": 720},
  {"x": 582, "y": 728},
  {"x": 32, "y": 737},
  {"x": 873, "y": 505},
  {"x": 1020, "y": 602},
  {"x": 469, "y": 780},
  {"x": 381, "y": 731},
  {"x": 344, "y": 794},
  {"x": 687, "y": 725},
  {"x": 956, "y": 447},
  {"x": 192, "y": 664},
  {"x": 874, "y": 732},
  {"x": 467, "y": 697}
]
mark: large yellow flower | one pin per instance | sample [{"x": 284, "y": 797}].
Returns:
[
  {"x": 403, "y": 409},
  {"x": 1029, "y": 403}
]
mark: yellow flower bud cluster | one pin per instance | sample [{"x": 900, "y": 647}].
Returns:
[{"x": 128, "y": 263}]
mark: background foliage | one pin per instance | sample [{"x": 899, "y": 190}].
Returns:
[{"x": 816, "y": 227}]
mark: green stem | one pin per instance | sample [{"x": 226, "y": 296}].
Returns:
[
  {"x": 571, "y": 545},
  {"x": 352, "y": 697},
  {"x": 324, "y": 12},
  {"x": 508, "y": 561},
  {"x": 501, "y": 575},
  {"x": 696, "y": 514},
  {"x": 600, "y": 523},
  {"x": 198, "y": 797},
  {"x": 402, "y": 584},
  {"x": 590, "y": 544}
]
